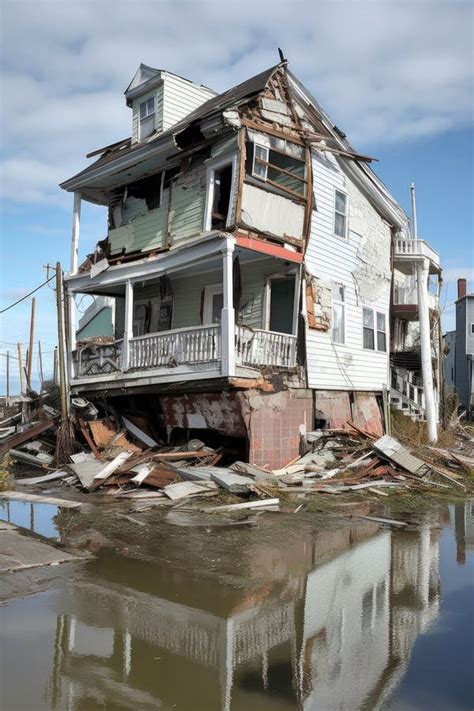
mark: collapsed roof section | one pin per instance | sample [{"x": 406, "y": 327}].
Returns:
[{"x": 125, "y": 161}]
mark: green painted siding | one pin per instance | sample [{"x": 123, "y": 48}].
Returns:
[
  {"x": 188, "y": 205},
  {"x": 144, "y": 232},
  {"x": 99, "y": 325}
]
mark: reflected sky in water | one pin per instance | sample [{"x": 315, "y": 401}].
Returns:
[{"x": 351, "y": 618}]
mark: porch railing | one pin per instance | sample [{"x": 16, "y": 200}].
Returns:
[
  {"x": 409, "y": 295},
  {"x": 415, "y": 248},
  {"x": 258, "y": 347},
  {"x": 98, "y": 359},
  {"x": 198, "y": 344}
]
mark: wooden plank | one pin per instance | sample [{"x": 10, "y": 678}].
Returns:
[
  {"x": 186, "y": 488},
  {"x": 230, "y": 481},
  {"x": 29, "y": 434},
  {"x": 138, "y": 433},
  {"x": 52, "y": 476},
  {"x": 109, "y": 468},
  {"x": 88, "y": 438},
  {"x": 273, "y": 250},
  {"x": 261, "y": 504}
]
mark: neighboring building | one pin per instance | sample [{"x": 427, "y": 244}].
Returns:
[
  {"x": 97, "y": 320},
  {"x": 250, "y": 254},
  {"x": 459, "y": 350}
]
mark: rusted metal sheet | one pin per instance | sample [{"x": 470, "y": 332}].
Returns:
[{"x": 214, "y": 411}]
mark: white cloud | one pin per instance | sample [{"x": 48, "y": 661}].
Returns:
[{"x": 384, "y": 70}]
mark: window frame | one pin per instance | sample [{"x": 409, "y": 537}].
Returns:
[
  {"x": 342, "y": 303},
  {"x": 212, "y": 168},
  {"x": 338, "y": 212},
  {"x": 145, "y": 103},
  {"x": 375, "y": 329},
  {"x": 254, "y": 160},
  {"x": 210, "y": 290}
]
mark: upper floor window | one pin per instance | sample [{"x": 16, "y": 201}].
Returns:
[
  {"x": 147, "y": 117},
  {"x": 219, "y": 199},
  {"x": 338, "y": 313},
  {"x": 340, "y": 214},
  {"x": 374, "y": 330},
  {"x": 147, "y": 108},
  {"x": 279, "y": 163}
]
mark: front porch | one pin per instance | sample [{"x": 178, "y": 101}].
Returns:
[{"x": 193, "y": 319}]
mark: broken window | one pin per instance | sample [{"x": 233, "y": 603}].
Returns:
[
  {"x": 340, "y": 214},
  {"x": 149, "y": 189},
  {"x": 147, "y": 117},
  {"x": 279, "y": 163},
  {"x": 374, "y": 330},
  {"x": 338, "y": 313},
  {"x": 221, "y": 197}
]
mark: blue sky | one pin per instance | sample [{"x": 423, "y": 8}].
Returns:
[{"x": 397, "y": 77}]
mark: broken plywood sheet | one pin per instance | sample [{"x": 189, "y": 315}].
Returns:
[
  {"x": 188, "y": 488},
  {"x": 19, "y": 552},
  {"x": 391, "y": 449},
  {"x": 230, "y": 481},
  {"x": 138, "y": 433},
  {"x": 41, "y": 479}
]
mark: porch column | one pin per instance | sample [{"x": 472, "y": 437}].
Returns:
[
  {"x": 76, "y": 222},
  {"x": 228, "y": 313},
  {"x": 71, "y": 312},
  {"x": 128, "y": 330},
  {"x": 422, "y": 273}
]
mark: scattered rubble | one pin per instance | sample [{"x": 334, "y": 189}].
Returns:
[{"x": 122, "y": 457}]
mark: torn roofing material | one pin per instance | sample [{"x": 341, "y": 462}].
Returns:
[{"x": 244, "y": 90}]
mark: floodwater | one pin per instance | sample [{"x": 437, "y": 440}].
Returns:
[
  {"x": 36, "y": 517},
  {"x": 286, "y": 614}
]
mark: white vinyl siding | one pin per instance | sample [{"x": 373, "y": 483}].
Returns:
[
  {"x": 181, "y": 97},
  {"x": 362, "y": 265}
]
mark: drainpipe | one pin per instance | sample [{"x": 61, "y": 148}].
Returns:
[{"x": 422, "y": 275}]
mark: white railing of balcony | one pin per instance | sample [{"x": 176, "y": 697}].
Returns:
[
  {"x": 258, "y": 347},
  {"x": 415, "y": 248},
  {"x": 197, "y": 344},
  {"x": 404, "y": 295},
  {"x": 98, "y": 359}
]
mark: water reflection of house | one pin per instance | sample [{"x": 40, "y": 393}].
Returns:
[
  {"x": 338, "y": 631},
  {"x": 464, "y": 529}
]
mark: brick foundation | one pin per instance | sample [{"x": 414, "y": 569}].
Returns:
[{"x": 274, "y": 426}]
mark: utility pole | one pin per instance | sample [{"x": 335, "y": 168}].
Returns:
[
  {"x": 20, "y": 367},
  {"x": 8, "y": 374},
  {"x": 40, "y": 362},
  {"x": 62, "y": 370},
  {"x": 29, "y": 361},
  {"x": 55, "y": 365}
]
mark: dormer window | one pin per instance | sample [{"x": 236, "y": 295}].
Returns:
[{"x": 147, "y": 117}]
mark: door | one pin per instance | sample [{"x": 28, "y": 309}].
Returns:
[
  {"x": 213, "y": 304},
  {"x": 282, "y": 303}
]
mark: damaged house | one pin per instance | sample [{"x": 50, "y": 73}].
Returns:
[{"x": 256, "y": 277}]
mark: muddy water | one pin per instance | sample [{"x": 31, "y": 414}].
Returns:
[{"x": 287, "y": 613}]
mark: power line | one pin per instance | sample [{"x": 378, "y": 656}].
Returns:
[{"x": 26, "y": 295}]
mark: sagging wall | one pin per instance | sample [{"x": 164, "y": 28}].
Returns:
[
  {"x": 271, "y": 422},
  {"x": 361, "y": 263},
  {"x": 336, "y": 409}
]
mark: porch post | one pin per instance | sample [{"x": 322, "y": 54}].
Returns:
[
  {"x": 71, "y": 312},
  {"x": 422, "y": 273},
  {"x": 76, "y": 222},
  {"x": 128, "y": 330},
  {"x": 228, "y": 313}
]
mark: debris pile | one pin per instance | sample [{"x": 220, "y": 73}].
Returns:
[
  {"x": 122, "y": 457},
  {"x": 340, "y": 462}
]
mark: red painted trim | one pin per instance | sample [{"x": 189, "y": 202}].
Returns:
[{"x": 274, "y": 250}]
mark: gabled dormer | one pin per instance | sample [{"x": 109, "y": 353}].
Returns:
[{"x": 159, "y": 99}]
